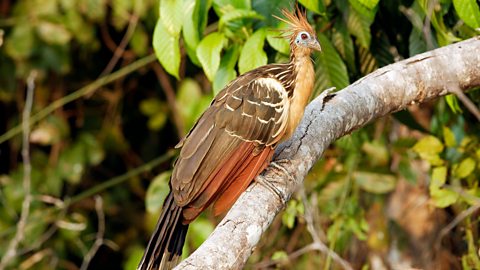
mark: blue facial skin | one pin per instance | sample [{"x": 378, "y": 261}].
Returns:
[{"x": 303, "y": 38}]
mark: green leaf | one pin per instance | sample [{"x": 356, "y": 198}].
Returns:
[
  {"x": 150, "y": 106},
  {"x": 268, "y": 8},
  {"x": 157, "y": 192},
  {"x": 452, "y": 102},
  {"x": 290, "y": 213},
  {"x": 465, "y": 168},
  {"x": 19, "y": 44},
  {"x": 139, "y": 41},
  {"x": 237, "y": 14},
  {"x": 416, "y": 43},
  {"x": 330, "y": 69},
  {"x": 375, "y": 182},
  {"x": 199, "y": 231},
  {"x": 439, "y": 178},
  {"x": 277, "y": 42},
  {"x": 449, "y": 137},
  {"x": 429, "y": 145},
  {"x": 226, "y": 72},
  {"x": 342, "y": 41},
  {"x": 468, "y": 11},
  {"x": 444, "y": 197},
  {"x": 171, "y": 15},
  {"x": 368, "y": 63},
  {"x": 429, "y": 149},
  {"x": 134, "y": 256},
  {"x": 191, "y": 102},
  {"x": 359, "y": 26},
  {"x": 279, "y": 255},
  {"x": 371, "y": 4},
  {"x": 363, "y": 11},
  {"x": 252, "y": 55},
  {"x": 194, "y": 22},
  {"x": 167, "y": 49},
  {"x": 316, "y": 6},
  {"x": 208, "y": 52}
]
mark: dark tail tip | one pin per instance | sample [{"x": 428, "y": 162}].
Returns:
[{"x": 166, "y": 243}]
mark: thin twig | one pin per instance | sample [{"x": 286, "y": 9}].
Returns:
[
  {"x": 466, "y": 101},
  {"x": 132, "y": 25},
  {"x": 27, "y": 170},
  {"x": 80, "y": 93},
  {"x": 317, "y": 242},
  {"x": 99, "y": 236}
]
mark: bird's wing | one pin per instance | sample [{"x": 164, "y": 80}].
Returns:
[{"x": 232, "y": 141}]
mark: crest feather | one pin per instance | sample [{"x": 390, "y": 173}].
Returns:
[{"x": 296, "y": 21}]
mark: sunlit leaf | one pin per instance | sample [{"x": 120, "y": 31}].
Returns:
[
  {"x": 439, "y": 177},
  {"x": 226, "y": 72},
  {"x": 369, "y": 3},
  {"x": 444, "y": 197},
  {"x": 208, "y": 52},
  {"x": 449, "y": 137},
  {"x": 199, "y": 231},
  {"x": 465, "y": 168},
  {"x": 237, "y": 14},
  {"x": 171, "y": 15},
  {"x": 139, "y": 41},
  {"x": 280, "y": 44},
  {"x": 452, "y": 102},
  {"x": 375, "y": 182},
  {"x": 368, "y": 63},
  {"x": 468, "y": 11},
  {"x": 252, "y": 54},
  {"x": 167, "y": 49},
  {"x": 157, "y": 192},
  {"x": 316, "y": 6}
]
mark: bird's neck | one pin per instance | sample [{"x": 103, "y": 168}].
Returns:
[{"x": 304, "y": 81}]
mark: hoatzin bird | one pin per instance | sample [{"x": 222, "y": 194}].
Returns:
[{"x": 234, "y": 140}]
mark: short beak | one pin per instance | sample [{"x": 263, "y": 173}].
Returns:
[{"x": 315, "y": 45}]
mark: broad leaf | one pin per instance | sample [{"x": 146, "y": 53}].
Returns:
[
  {"x": 375, "y": 182},
  {"x": 316, "y": 6},
  {"x": 208, "y": 52},
  {"x": 277, "y": 42},
  {"x": 439, "y": 177},
  {"x": 157, "y": 192},
  {"x": 252, "y": 55},
  {"x": 342, "y": 41},
  {"x": 171, "y": 15},
  {"x": 330, "y": 69},
  {"x": 468, "y": 11},
  {"x": 371, "y": 4},
  {"x": 226, "y": 72},
  {"x": 444, "y": 197},
  {"x": 359, "y": 26},
  {"x": 167, "y": 49},
  {"x": 268, "y": 8},
  {"x": 465, "y": 168}
]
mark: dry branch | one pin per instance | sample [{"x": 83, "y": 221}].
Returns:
[{"x": 389, "y": 89}]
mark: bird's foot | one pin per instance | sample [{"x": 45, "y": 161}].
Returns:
[
  {"x": 260, "y": 179},
  {"x": 277, "y": 164}
]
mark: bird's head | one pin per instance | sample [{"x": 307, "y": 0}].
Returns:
[{"x": 302, "y": 36}]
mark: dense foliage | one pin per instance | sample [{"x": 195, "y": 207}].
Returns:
[{"x": 383, "y": 195}]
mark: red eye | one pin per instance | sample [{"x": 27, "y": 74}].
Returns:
[{"x": 304, "y": 36}]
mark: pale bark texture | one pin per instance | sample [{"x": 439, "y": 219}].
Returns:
[{"x": 389, "y": 89}]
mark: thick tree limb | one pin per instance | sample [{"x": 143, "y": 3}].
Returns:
[{"x": 387, "y": 90}]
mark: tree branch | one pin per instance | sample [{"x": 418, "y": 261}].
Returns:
[{"x": 387, "y": 90}]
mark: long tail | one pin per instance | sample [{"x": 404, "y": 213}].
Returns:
[{"x": 164, "y": 249}]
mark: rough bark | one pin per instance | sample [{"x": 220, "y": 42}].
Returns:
[{"x": 387, "y": 90}]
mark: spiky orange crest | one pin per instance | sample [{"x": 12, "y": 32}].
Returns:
[{"x": 296, "y": 21}]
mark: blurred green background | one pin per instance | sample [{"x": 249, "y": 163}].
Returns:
[{"x": 117, "y": 83}]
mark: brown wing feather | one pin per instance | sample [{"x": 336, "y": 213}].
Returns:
[
  {"x": 246, "y": 119},
  {"x": 241, "y": 179}
]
